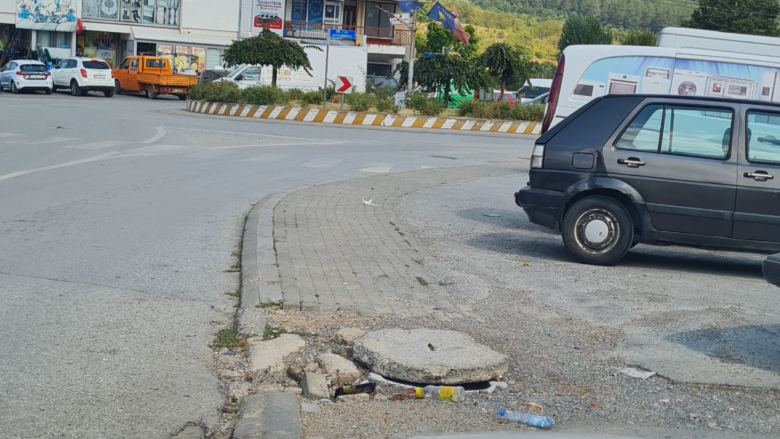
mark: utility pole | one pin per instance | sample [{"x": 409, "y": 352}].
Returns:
[
  {"x": 325, "y": 87},
  {"x": 413, "y": 28}
]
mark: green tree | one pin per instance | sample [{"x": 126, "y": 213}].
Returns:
[
  {"x": 444, "y": 72},
  {"x": 583, "y": 30},
  {"x": 755, "y": 17},
  {"x": 638, "y": 38},
  {"x": 504, "y": 62},
  {"x": 268, "y": 49},
  {"x": 437, "y": 37}
]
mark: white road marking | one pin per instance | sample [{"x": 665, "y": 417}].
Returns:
[
  {"x": 61, "y": 165},
  {"x": 389, "y": 120},
  {"x": 152, "y": 149},
  {"x": 370, "y": 118},
  {"x": 409, "y": 122},
  {"x": 235, "y": 109},
  {"x": 158, "y": 136},
  {"x": 246, "y": 110},
  {"x": 505, "y": 127},
  {"x": 429, "y": 123},
  {"x": 377, "y": 168},
  {"x": 468, "y": 125},
  {"x": 9, "y": 135},
  {"x": 262, "y": 145},
  {"x": 50, "y": 140},
  {"x": 521, "y": 128},
  {"x": 96, "y": 145},
  {"x": 487, "y": 126},
  {"x": 265, "y": 158},
  {"x": 448, "y": 124},
  {"x": 311, "y": 115},
  {"x": 293, "y": 112},
  {"x": 320, "y": 163},
  {"x": 275, "y": 113},
  {"x": 250, "y": 134},
  {"x": 260, "y": 111},
  {"x": 331, "y": 116},
  {"x": 537, "y": 129},
  {"x": 351, "y": 115}
]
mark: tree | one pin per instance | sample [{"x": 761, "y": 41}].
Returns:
[
  {"x": 268, "y": 49},
  {"x": 583, "y": 30},
  {"x": 444, "y": 71},
  {"x": 437, "y": 37},
  {"x": 504, "y": 62},
  {"x": 638, "y": 38},
  {"x": 755, "y": 17}
]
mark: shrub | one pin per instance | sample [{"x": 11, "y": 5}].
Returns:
[
  {"x": 501, "y": 110},
  {"x": 311, "y": 98},
  {"x": 384, "y": 104},
  {"x": 264, "y": 95},
  {"x": 294, "y": 94},
  {"x": 425, "y": 105},
  {"x": 224, "y": 92},
  {"x": 360, "y": 101}
]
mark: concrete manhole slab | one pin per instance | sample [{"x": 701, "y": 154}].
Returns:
[{"x": 429, "y": 356}]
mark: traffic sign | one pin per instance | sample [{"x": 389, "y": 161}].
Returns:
[
  {"x": 338, "y": 34},
  {"x": 344, "y": 85}
]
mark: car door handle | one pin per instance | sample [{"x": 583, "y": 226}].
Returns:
[
  {"x": 631, "y": 162},
  {"x": 759, "y": 175}
]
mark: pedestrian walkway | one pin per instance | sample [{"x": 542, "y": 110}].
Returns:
[{"x": 334, "y": 248}]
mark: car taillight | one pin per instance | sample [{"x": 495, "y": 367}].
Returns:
[
  {"x": 537, "y": 157},
  {"x": 21, "y": 74},
  {"x": 46, "y": 75},
  {"x": 112, "y": 74},
  {"x": 552, "y": 99},
  {"x": 83, "y": 73}
]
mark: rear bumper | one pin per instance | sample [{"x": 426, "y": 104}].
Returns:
[
  {"x": 37, "y": 84},
  {"x": 92, "y": 84},
  {"x": 542, "y": 206},
  {"x": 771, "y": 268}
]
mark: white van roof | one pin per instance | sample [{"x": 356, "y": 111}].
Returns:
[{"x": 684, "y": 38}]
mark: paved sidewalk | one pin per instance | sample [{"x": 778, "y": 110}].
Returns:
[{"x": 334, "y": 250}]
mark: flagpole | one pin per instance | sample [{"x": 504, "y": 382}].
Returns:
[{"x": 413, "y": 27}]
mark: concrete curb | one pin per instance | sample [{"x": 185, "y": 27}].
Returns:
[
  {"x": 269, "y": 416},
  {"x": 356, "y": 118}
]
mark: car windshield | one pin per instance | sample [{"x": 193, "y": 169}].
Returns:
[
  {"x": 96, "y": 65},
  {"x": 32, "y": 68}
]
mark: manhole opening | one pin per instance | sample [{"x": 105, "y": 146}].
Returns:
[{"x": 484, "y": 385}]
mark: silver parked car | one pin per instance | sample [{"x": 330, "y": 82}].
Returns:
[{"x": 25, "y": 74}]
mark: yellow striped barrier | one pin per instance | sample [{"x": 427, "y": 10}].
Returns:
[{"x": 333, "y": 117}]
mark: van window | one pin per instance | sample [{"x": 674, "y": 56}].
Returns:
[
  {"x": 125, "y": 64},
  {"x": 134, "y": 65},
  {"x": 763, "y": 137},
  {"x": 155, "y": 63},
  {"x": 680, "y": 130}
]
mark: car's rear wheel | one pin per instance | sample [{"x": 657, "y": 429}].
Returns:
[
  {"x": 182, "y": 97},
  {"x": 48, "y": 91},
  {"x": 150, "y": 93},
  {"x": 75, "y": 90},
  {"x": 109, "y": 92},
  {"x": 14, "y": 90},
  {"x": 54, "y": 88},
  {"x": 117, "y": 87},
  {"x": 598, "y": 230}
]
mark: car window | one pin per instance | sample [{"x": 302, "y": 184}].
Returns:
[
  {"x": 689, "y": 131},
  {"x": 763, "y": 137},
  {"x": 644, "y": 131},
  {"x": 155, "y": 63},
  {"x": 33, "y": 68},
  {"x": 11, "y": 66},
  {"x": 251, "y": 74},
  {"x": 96, "y": 65},
  {"x": 125, "y": 64},
  {"x": 134, "y": 65}
]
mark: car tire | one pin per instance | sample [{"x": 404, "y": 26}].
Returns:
[
  {"x": 182, "y": 97},
  {"x": 117, "y": 87},
  {"x": 54, "y": 88},
  {"x": 598, "y": 230},
  {"x": 14, "y": 90},
  {"x": 109, "y": 92},
  {"x": 47, "y": 91},
  {"x": 75, "y": 90},
  {"x": 150, "y": 93}
]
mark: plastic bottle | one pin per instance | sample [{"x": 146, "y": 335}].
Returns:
[
  {"x": 527, "y": 419},
  {"x": 443, "y": 393}
]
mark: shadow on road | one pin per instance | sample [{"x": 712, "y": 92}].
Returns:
[{"x": 755, "y": 346}]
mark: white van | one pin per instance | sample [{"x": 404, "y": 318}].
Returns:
[{"x": 587, "y": 72}]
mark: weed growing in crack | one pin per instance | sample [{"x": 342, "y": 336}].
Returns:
[
  {"x": 228, "y": 338},
  {"x": 422, "y": 281}
]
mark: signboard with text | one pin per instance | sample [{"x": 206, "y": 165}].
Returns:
[
  {"x": 270, "y": 14},
  {"x": 338, "y": 34}
]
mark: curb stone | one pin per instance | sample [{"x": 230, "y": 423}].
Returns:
[
  {"x": 360, "y": 118},
  {"x": 268, "y": 416}
]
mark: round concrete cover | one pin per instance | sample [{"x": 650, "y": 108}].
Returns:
[{"x": 429, "y": 356}]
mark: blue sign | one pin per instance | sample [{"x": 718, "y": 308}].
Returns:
[{"x": 336, "y": 34}]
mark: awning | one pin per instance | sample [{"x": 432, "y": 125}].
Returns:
[
  {"x": 91, "y": 26},
  {"x": 6, "y": 18},
  {"x": 174, "y": 36}
]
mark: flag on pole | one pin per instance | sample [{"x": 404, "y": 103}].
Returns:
[
  {"x": 409, "y": 6},
  {"x": 450, "y": 21}
]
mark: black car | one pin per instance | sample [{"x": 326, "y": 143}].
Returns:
[{"x": 628, "y": 169}]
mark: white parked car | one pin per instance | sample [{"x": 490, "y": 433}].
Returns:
[
  {"x": 82, "y": 75},
  {"x": 24, "y": 74}
]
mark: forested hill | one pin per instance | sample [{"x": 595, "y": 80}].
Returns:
[{"x": 626, "y": 14}]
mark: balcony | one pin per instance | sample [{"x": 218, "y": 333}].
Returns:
[{"x": 374, "y": 36}]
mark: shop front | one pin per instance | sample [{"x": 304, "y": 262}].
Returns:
[{"x": 186, "y": 52}]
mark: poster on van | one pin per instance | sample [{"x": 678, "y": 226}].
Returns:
[{"x": 658, "y": 75}]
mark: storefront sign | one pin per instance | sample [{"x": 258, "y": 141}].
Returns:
[
  {"x": 270, "y": 14},
  {"x": 182, "y": 50},
  {"x": 46, "y": 15},
  {"x": 157, "y": 12},
  {"x": 166, "y": 49},
  {"x": 199, "y": 56}
]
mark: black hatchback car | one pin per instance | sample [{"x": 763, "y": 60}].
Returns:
[{"x": 628, "y": 169}]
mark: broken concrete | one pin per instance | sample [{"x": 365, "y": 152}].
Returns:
[
  {"x": 352, "y": 399},
  {"x": 268, "y": 416},
  {"x": 429, "y": 356},
  {"x": 314, "y": 385},
  {"x": 341, "y": 370},
  {"x": 269, "y": 354},
  {"x": 345, "y": 336}
]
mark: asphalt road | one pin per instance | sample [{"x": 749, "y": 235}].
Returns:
[{"x": 118, "y": 218}]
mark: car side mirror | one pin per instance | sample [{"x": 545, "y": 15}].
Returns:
[{"x": 240, "y": 78}]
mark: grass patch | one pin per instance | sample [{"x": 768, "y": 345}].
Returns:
[
  {"x": 236, "y": 267},
  {"x": 443, "y": 284},
  {"x": 228, "y": 338},
  {"x": 236, "y": 293},
  {"x": 269, "y": 333},
  {"x": 269, "y": 305},
  {"x": 419, "y": 261},
  {"x": 422, "y": 281},
  {"x": 501, "y": 110}
]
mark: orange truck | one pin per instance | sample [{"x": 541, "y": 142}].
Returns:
[{"x": 153, "y": 75}]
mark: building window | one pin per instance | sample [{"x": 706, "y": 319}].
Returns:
[
  {"x": 377, "y": 22},
  {"x": 307, "y": 14},
  {"x": 154, "y": 12},
  {"x": 60, "y": 40}
]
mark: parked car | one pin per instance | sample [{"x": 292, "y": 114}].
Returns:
[
  {"x": 152, "y": 75},
  {"x": 23, "y": 74},
  {"x": 82, "y": 75},
  {"x": 655, "y": 169},
  {"x": 539, "y": 100}
]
